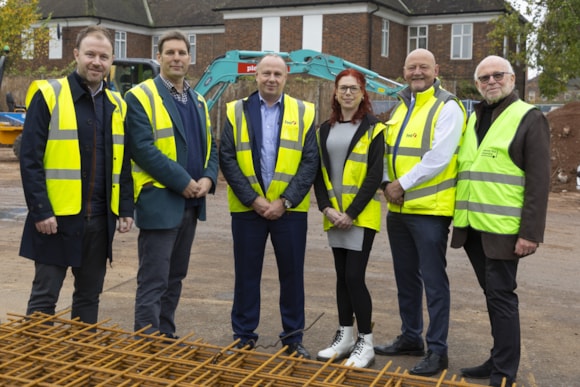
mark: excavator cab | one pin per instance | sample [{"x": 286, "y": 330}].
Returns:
[{"x": 128, "y": 72}]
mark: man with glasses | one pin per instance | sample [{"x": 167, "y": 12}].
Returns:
[
  {"x": 502, "y": 199},
  {"x": 422, "y": 138}
]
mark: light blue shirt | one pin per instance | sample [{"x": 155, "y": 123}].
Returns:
[{"x": 270, "y": 134}]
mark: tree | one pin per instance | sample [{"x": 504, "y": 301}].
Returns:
[
  {"x": 17, "y": 18},
  {"x": 553, "y": 46}
]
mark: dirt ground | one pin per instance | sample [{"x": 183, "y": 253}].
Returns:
[
  {"x": 548, "y": 288},
  {"x": 565, "y": 143}
]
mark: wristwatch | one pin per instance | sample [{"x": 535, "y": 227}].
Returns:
[{"x": 287, "y": 203}]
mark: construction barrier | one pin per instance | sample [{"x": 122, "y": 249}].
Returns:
[{"x": 43, "y": 350}]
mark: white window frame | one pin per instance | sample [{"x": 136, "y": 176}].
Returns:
[
  {"x": 154, "y": 46},
  {"x": 54, "y": 44},
  {"x": 462, "y": 40},
  {"x": 385, "y": 33},
  {"x": 192, "y": 47},
  {"x": 421, "y": 34},
  {"x": 120, "y": 44}
]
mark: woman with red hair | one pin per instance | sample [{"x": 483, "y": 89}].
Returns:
[{"x": 351, "y": 145}]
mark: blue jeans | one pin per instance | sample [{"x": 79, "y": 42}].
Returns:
[
  {"x": 163, "y": 263},
  {"x": 418, "y": 245}
]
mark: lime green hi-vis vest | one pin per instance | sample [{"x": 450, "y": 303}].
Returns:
[
  {"x": 62, "y": 158},
  {"x": 490, "y": 187},
  {"x": 163, "y": 133},
  {"x": 297, "y": 121},
  {"x": 437, "y": 195},
  {"x": 354, "y": 174}
]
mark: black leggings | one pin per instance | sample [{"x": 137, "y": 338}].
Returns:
[{"x": 352, "y": 294}]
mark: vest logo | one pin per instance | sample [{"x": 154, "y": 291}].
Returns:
[
  {"x": 293, "y": 123},
  {"x": 489, "y": 153},
  {"x": 411, "y": 135}
]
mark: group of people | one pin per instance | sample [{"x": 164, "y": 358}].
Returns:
[{"x": 93, "y": 160}]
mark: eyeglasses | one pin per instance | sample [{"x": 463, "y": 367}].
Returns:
[
  {"x": 496, "y": 76},
  {"x": 353, "y": 89}
]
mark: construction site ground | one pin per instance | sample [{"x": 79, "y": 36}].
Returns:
[{"x": 548, "y": 289}]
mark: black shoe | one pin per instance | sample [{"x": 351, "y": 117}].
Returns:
[
  {"x": 401, "y": 346},
  {"x": 430, "y": 365},
  {"x": 299, "y": 349},
  {"x": 248, "y": 345},
  {"x": 480, "y": 372}
]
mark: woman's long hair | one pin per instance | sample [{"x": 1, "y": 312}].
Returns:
[{"x": 365, "y": 104}]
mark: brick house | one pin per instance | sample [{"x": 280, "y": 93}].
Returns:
[{"x": 376, "y": 34}]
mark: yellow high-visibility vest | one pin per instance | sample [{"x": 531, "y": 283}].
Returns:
[
  {"x": 163, "y": 133},
  {"x": 296, "y": 122},
  {"x": 62, "y": 158},
  {"x": 435, "y": 196},
  {"x": 490, "y": 187},
  {"x": 354, "y": 174}
]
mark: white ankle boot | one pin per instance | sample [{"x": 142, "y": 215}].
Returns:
[
  {"x": 363, "y": 354},
  {"x": 341, "y": 346}
]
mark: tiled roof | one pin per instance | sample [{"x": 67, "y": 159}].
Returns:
[
  {"x": 179, "y": 13},
  {"x": 164, "y": 13},
  {"x": 407, "y": 7}
]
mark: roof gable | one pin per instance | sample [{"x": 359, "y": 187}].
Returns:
[
  {"x": 164, "y": 13},
  {"x": 406, "y": 7}
]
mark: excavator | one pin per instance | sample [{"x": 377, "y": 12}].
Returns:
[{"x": 228, "y": 68}]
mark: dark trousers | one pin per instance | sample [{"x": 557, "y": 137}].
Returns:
[
  {"x": 497, "y": 278},
  {"x": 89, "y": 277},
  {"x": 163, "y": 263},
  {"x": 418, "y": 245},
  {"x": 352, "y": 294},
  {"x": 288, "y": 235}
]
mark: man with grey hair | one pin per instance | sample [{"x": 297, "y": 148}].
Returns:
[{"x": 501, "y": 205}]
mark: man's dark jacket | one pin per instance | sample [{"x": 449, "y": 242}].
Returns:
[{"x": 65, "y": 247}]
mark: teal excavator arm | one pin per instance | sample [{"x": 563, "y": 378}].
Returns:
[{"x": 226, "y": 69}]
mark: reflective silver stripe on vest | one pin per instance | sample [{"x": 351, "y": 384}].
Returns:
[
  {"x": 242, "y": 146},
  {"x": 119, "y": 102},
  {"x": 157, "y": 132},
  {"x": 296, "y": 145},
  {"x": 118, "y": 139},
  {"x": 489, "y": 209},
  {"x": 62, "y": 174},
  {"x": 56, "y": 132},
  {"x": 493, "y": 178},
  {"x": 431, "y": 190},
  {"x": 238, "y": 113},
  {"x": 285, "y": 177}
]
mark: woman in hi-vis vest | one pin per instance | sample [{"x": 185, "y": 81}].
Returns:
[{"x": 351, "y": 145}]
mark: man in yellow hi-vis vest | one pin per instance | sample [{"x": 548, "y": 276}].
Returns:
[
  {"x": 76, "y": 178},
  {"x": 423, "y": 134},
  {"x": 269, "y": 157},
  {"x": 174, "y": 168},
  {"x": 501, "y": 205}
]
